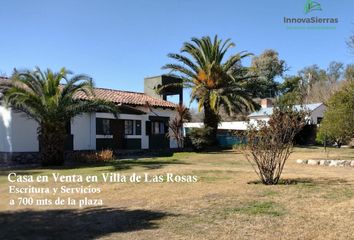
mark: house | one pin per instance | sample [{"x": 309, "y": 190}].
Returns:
[
  {"x": 226, "y": 137},
  {"x": 316, "y": 111},
  {"x": 142, "y": 123}
]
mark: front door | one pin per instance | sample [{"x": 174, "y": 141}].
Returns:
[
  {"x": 158, "y": 135},
  {"x": 118, "y": 133}
]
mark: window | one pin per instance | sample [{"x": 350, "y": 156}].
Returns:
[
  {"x": 158, "y": 128},
  {"x": 103, "y": 126},
  {"x": 106, "y": 127},
  {"x": 128, "y": 127},
  {"x": 319, "y": 120}
]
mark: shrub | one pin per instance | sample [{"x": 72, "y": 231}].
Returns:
[
  {"x": 238, "y": 146},
  {"x": 176, "y": 125},
  {"x": 200, "y": 137},
  {"x": 269, "y": 144},
  {"x": 94, "y": 157}
]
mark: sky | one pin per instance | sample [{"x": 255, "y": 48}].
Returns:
[{"x": 119, "y": 42}]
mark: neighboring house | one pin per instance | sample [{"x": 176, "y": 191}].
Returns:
[
  {"x": 225, "y": 129},
  {"x": 142, "y": 123},
  {"x": 316, "y": 111}
]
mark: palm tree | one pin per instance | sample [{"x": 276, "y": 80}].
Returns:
[
  {"x": 215, "y": 83},
  {"x": 49, "y": 98}
]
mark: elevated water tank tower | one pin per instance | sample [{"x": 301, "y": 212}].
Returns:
[{"x": 152, "y": 84}]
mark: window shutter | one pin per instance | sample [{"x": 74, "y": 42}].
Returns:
[
  {"x": 99, "y": 127},
  {"x": 148, "y": 128},
  {"x": 166, "y": 127},
  {"x": 137, "y": 127}
]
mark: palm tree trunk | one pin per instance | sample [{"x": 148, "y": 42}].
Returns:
[
  {"x": 52, "y": 141},
  {"x": 211, "y": 120}
]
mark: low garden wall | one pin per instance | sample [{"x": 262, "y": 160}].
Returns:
[
  {"x": 18, "y": 158},
  {"x": 330, "y": 163}
]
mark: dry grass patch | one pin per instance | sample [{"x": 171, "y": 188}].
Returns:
[
  {"x": 312, "y": 202},
  {"x": 258, "y": 208}
]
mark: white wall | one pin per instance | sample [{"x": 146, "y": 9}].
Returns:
[
  {"x": 24, "y": 133},
  {"x": 5, "y": 130},
  {"x": 83, "y": 127},
  {"x": 317, "y": 113},
  {"x": 254, "y": 120},
  {"x": 18, "y": 133}
]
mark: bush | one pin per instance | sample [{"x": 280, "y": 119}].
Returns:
[
  {"x": 200, "y": 137},
  {"x": 269, "y": 144},
  {"x": 238, "y": 146},
  {"x": 94, "y": 157}
]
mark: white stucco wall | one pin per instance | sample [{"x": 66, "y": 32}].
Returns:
[
  {"x": 18, "y": 133},
  {"x": 83, "y": 127},
  {"x": 254, "y": 120},
  {"x": 317, "y": 113},
  {"x": 5, "y": 130}
]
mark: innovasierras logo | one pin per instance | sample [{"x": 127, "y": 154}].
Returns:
[
  {"x": 312, "y": 6},
  {"x": 315, "y": 21}
]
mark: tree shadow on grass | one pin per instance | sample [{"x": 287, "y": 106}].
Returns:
[
  {"x": 308, "y": 146},
  {"x": 308, "y": 181},
  {"x": 122, "y": 164},
  {"x": 117, "y": 165},
  {"x": 148, "y": 154},
  {"x": 149, "y": 164},
  {"x": 6, "y": 172},
  {"x": 90, "y": 223}
]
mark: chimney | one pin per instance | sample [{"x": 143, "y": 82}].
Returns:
[{"x": 266, "y": 103}]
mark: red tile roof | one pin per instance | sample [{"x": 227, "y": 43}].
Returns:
[
  {"x": 3, "y": 80},
  {"x": 125, "y": 97},
  {"x": 122, "y": 97}
]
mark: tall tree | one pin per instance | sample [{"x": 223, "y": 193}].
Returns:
[
  {"x": 316, "y": 86},
  {"x": 291, "y": 91},
  {"x": 350, "y": 43},
  {"x": 41, "y": 95},
  {"x": 313, "y": 84},
  {"x": 266, "y": 67},
  {"x": 335, "y": 71},
  {"x": 312, "y": 74},
  {"x": 214, "y": 81},
  {"x": 337, "y": 124},
  {"x": 349, "y": 73}
]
